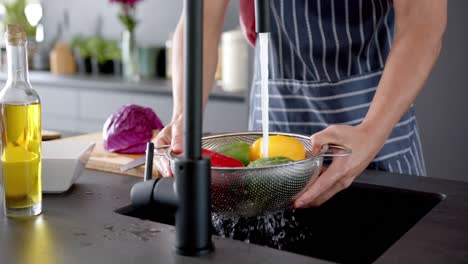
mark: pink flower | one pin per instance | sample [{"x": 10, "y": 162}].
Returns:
[{"x": 125, "y": 2}]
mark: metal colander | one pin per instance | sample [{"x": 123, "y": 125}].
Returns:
[{"x": 249, "y": 191}]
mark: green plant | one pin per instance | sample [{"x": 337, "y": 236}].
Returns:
[
  {"x": 15, "y": 15},
  {"x": 96, "y": 47},
  {"x": 103, "y": 50},
  {"x": 79, "y": 43},
  {"x": 112, "y": 50}
]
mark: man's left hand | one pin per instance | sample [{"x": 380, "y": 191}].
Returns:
[{"x": 343, "y": 170}]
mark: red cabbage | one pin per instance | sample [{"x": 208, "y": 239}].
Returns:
[{"x": 129, "y": 129}]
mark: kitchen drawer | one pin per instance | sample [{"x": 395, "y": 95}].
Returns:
[
  {"x": 99, "y": 105},
  {"x": 59, "y": 123},
  {"x": 58, "y": 102},
  {"x": 220, "y": 116},
  {"x": 86, "y": 111},
  {"x": 89, "y": 126}
]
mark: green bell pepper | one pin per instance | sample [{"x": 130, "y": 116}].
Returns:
[{"x": 236, "y": 150}]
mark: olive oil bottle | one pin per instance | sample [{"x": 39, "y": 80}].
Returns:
[{"x": 20, "y": 127}]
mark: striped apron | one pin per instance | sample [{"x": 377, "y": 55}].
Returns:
[{"x": 326, "y": 59}]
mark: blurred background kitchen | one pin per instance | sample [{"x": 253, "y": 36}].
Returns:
[{"x": 90, "y": 57}]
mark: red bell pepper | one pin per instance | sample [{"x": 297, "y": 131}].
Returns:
[{"x": 220, "y": 160}]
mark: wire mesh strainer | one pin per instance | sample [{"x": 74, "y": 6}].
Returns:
[{"x": 249, "y": 191}]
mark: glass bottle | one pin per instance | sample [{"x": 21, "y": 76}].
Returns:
[
  {"x": 20, "y": 126},
  {"x": 129, "y": 56}
]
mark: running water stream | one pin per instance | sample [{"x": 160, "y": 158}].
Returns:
[
  {"x": 264, "y": 89},
  {"x": 273, "y": 229}
]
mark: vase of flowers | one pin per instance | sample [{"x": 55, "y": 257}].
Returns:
[{"x": 129, "y": 46}]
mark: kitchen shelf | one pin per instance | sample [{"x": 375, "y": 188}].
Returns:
[{"x": 114, "y": 83}]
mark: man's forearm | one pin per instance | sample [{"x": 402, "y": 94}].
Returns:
[
  {"x": 414, "y": 52},
  {"x": 212, "y": 28},
  {"x": 178, "y": 70}
]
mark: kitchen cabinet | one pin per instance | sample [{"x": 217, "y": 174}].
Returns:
[{"x": 81, "y": 104}]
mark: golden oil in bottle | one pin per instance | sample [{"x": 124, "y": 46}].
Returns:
[
  {"x": 21, "y": 155},
  {"x": 20, "y": 131}
]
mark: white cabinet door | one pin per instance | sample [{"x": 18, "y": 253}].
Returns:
[
  {"x": 98, "y": 105},
  {"x": 59, "y": 107},
  {"x": 83, "y": 110},
  {"x": 58, "y": 101}
]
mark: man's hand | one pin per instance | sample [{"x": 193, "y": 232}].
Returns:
[
  {"x": 420, "y": 25},
  {"x": 172, "y": 135},
  {"x": 343, "y": 170}
]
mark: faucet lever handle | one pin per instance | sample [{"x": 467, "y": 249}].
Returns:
[{"x": 149, "y": 161}]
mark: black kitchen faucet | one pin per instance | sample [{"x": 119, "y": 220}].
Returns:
[{"x": 190, "y": 192}]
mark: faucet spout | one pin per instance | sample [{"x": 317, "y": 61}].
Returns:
[
  {"x": 262, "y": 16},
  {"x": 192, "y": 172},
  {"x": 190, "y": 194}
]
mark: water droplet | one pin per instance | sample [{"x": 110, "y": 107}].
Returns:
[
  {"x": 109, "y": 227},
  {"x": 275, "y": 229},
  {"x": 154, "y": 230},
  {"x": 85, "y": 244}
]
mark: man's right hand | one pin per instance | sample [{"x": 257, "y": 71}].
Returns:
[{"x": 171, "y": 135}]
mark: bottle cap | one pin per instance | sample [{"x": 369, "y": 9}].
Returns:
[{"x": 15, "y": 35}]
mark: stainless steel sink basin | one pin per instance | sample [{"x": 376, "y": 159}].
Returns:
[{"x": 356, "y": 226}]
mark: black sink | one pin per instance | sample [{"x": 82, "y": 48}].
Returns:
[{"x": 356, "y": 226}]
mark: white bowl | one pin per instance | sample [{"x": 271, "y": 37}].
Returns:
[{"x": 62, "y": 163}]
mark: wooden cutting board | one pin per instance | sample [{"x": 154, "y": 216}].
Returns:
[
  {"x": 50, "y": 135},
  {"x": 103, "y": 160}
]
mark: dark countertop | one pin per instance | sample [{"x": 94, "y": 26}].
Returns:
[
  {"x": 113, "y": 83},
  {"x": 80, "y": 226}
]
